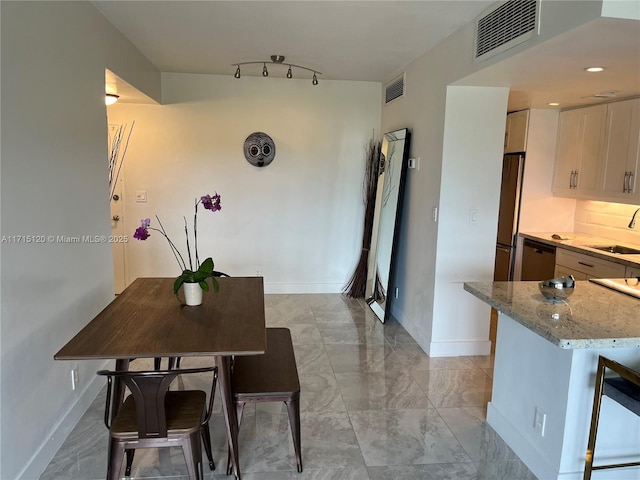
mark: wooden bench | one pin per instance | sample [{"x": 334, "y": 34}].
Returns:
[{"x": 270, "y": 377}]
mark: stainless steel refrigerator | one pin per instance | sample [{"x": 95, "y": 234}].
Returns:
[{"x": 508, "y": 216}]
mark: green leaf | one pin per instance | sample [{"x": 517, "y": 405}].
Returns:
[
  {"x": 214, "y": 282},
  {"x": 207, "y": 266},
  {"x": 177, "y": 284},
  {"x": 204, "y": 285}
]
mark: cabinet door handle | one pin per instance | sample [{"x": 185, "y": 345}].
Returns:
[
  {"x": 575, "y": 182},
  {"x": 571, "y": 179},
  {"x": 630, "y": 183},
  {"x": 625, "y": 183},
  {"x": 586, "y": 264}
]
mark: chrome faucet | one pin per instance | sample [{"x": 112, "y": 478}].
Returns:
[{"x": 632, "y": 223}]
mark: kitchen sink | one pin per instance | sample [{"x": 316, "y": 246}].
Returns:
[{"x": 619, "y": 249}]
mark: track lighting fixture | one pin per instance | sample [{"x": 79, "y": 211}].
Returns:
[{"x": 277, "y": 60}]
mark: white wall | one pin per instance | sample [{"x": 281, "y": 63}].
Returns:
[
  {"x": 54, "y": 182},
  {"x": 297, "y": 220},
  {"x": 473, "y": 146},
  {"x": 424, "y": 291}
]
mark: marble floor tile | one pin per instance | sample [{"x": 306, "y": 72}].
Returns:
[
  {"x": 478, "y": 440},
  {"x": 482, "y": 361},
  {"x": 305, "y": 334},
  {"x": 361, "y": 358},
  {"x": 312, "y": 359},
  {"x": 287, "y": 311},
  {"x": 380, "y": 391},
  {"x": 347, "y": 360},
  {"x": 406, "y": 437},
  {"x": 348, "y": 316},
  {"x": 320, "y": 393},
  {"x": 437, "y": 471},
  {"x": 455, "y": 388},
  {"x": 329, "y": 441},
  {"x": 414, "y": 358},
  {"x": 395, "y": 334},
  {"x": 369, "y": 333}
]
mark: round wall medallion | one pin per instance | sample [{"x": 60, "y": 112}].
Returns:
[{"x": 259, "y": 149}]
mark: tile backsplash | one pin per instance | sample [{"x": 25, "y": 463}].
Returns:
[{"x": 609, "y": 220}]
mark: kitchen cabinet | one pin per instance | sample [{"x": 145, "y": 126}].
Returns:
[
  {"x": 515, "y": 136},
  {"x": 622, "y": 151},
  {"x": 579, "y": 150},
  {"x": 583, "y": 267}
]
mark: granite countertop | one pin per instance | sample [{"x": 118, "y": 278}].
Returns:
[
  {"x": 581, "y": 243},
  {"x": 592, "y": 317}
]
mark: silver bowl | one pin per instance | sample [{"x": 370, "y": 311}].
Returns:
[{"x": 557, "y": 289}]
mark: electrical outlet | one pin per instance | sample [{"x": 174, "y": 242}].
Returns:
[
  {"x": 540, "y": 421},
  {"x": 74, "y": 378},
  {"x": 141, "y": 196},
  {"x": 258, "y": 272},
  {"x": 434, "y": 214},
  {"x": 397, "y": 292}
]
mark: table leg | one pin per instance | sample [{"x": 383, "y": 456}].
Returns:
[
  {"x": 229, "y": 410},
  {"x": 118, "y": 387}
]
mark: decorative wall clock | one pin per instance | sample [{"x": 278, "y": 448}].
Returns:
[{"x": 259, "y": 149}]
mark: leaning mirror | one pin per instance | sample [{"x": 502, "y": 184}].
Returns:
[{"x": 392, "y": 173}]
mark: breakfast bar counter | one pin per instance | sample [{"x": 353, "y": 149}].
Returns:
[
  {"x": 544, "y": 373},
  {"x": 592, "y": 317}
]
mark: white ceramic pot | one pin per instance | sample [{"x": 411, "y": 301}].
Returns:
[{"x": 192, "y": 293}]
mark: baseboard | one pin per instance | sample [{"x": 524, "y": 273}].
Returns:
[
  {"x": 59, "y": 433},
  {"x": 458, "y": 349},
  {"x": 303, "y": 287}
]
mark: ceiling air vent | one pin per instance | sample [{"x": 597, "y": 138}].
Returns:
[
  {"x": 394, "y": 89},
  {"x": 505, "y": 26}
]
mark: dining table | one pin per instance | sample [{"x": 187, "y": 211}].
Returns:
[{"x": 147, "y": 321}]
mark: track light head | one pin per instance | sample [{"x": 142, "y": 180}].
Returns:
[
  {"x": 289, "y": 74},
  {"x": 315, "y": 79},
  {"x": 237, "y": 74},
  {"x": 265, "y": 72}
]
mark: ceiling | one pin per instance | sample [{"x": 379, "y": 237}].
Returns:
[{"x": 366, "y": 41}]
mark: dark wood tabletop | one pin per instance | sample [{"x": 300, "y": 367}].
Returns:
[{"x": 147, "y": 320}]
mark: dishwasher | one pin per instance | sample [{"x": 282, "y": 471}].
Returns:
[{"x": 538, "y": 261}]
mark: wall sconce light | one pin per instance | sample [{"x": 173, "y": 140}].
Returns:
[
  {"x": 111, "y": 98},
  {"x": 277, "y": 60}
]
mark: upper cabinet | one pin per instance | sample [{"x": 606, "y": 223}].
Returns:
[
  {"x": 515, "y": 136},
  {"x": 579, "y": 151},
  {"x": 621, "y": 151},
  {"x": 597, "y": 153}
]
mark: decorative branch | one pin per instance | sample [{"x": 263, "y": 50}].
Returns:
[
  {"x": 357, "y": 285},
  {"x": 115, "y": 159}
]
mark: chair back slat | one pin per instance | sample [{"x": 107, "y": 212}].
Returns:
[{"x": 149, "y": 393}]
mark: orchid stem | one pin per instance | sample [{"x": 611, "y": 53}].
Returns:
[
  {"x": 186, "y": 234},
  {"x": 174, "y": 249}
]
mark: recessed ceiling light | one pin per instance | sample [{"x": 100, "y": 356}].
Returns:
[
  {"x": 594, "y": 69},
  {"x": 553, "y": 104},
  {"x": 111, "y": 98}
]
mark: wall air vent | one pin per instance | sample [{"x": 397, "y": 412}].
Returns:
[
  {"x": 394, "y": 89},
  {"x": 510, "y": 23}
]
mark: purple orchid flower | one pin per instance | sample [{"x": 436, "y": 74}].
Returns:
[
  {"x": 141, "y": 232},
  {"x": 211, "y": 203}
]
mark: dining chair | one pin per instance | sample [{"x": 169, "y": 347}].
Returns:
[
  {"x": 270, "y": 377},
  {"x": 153, "y": 416},
  {"x": 624, "y": 389}
]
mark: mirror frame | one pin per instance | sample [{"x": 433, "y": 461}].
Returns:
[{"x": 379, "y": 299}]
